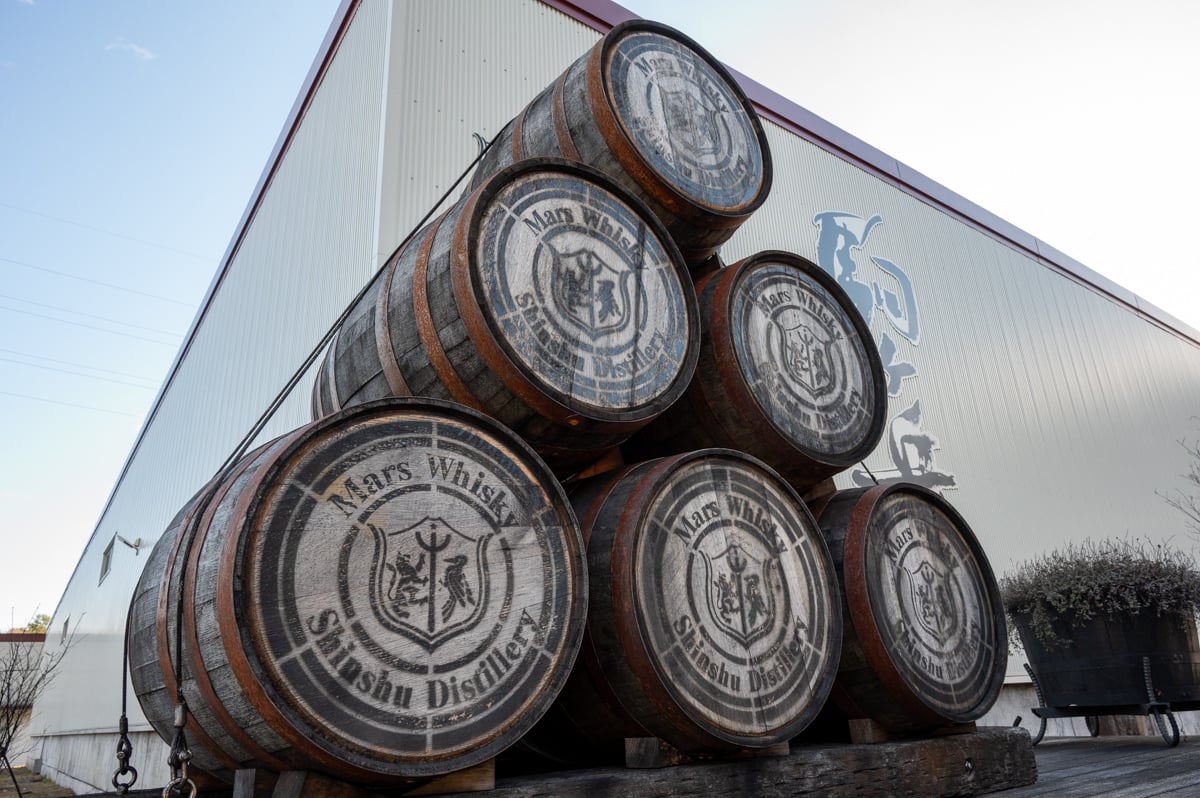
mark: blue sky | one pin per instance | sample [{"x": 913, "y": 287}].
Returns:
[
  {"x": 133, "y": 136},
  {"x": 135, "y": 131}
]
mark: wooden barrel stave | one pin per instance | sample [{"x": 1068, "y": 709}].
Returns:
[
  {"x": 219, "y": 745},
  {"x": 151, "y": 673},
  {"x": 539, "y": 138},
  {"x": 932, "y": 682},
  {"x": 223, "y": 705},
  {"x": 357, "y": 340}
]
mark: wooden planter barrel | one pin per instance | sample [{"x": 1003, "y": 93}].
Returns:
[
  {"x": 788, "y": 372},
  {"x": 714, "y": 620},
  {"x": 1102, "y": 666},
  {"x": 651, "y": 108},
  {"x": 548, "y": 298},
  {"x": 391, "y": 593},
  {"x": 925, "y": 642}
]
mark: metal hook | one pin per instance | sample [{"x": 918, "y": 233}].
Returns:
[{"x": 124, "y": 752}]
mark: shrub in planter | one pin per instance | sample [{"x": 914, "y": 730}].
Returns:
[{"x": 1089, "y": 612}]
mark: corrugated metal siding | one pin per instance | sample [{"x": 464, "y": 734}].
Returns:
[
  {"x": 307, "y": 251},
  {"x": 1056, "y": 409},
  {"x": 452, "y": 79}
]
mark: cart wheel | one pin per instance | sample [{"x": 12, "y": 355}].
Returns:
[
  {"x": 1172, "y": 738},
  {"x": 1093, "y": 724}
]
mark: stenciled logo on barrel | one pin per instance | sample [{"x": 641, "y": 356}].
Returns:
[
  {"x": 413, "y": 589},
  {"x": 685, "y": 120},
  {"x": 928, "y": 599},
  {"x": 582, "y": 293},
  {"x": 805, "y": 363},
  {"x": 734, "y": 596},
  {"x": 429, "y": 582}
]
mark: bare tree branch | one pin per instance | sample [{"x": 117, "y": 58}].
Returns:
[
  {"x": 1188, "y": 502},
  {"x": 26, "y": 670}
]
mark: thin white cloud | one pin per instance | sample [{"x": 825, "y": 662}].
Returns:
[
  {"x": 121, "y": 43},
  {"x": 26, "y": 2}
]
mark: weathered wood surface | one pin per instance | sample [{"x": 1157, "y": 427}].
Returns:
[
  {"x": 393, "y": 593},
  {"x": 548, "y": 299},
  {"x": 864, "y": 731},
  {"x": 1113, "y": 767},
  {"x": 962, "y": 765},
  {"x": 714, "y": 621},
  {"x": 925, "y": 639},
  {"x": 651, "y": 752},
  {"x": 219, "y": 745},
  {"x": 788, "y": 372},
  {"x": 651, "y": 108}
]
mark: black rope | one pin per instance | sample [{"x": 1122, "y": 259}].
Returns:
[
  {"x": 863, "y": 463},
  {"x": 124, "y": 747},
  {"x": 312, "y": 357}
]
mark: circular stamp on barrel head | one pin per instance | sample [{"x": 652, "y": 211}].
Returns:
[
  {"x": 931, "y": 603},
  {"x": 686, "y": 121},
  {"x": 583, "y": 292},
  {"x": 805, "y": 362},
  {"x": 414, "y": 587},
  {"x": 737, "y": 597}
]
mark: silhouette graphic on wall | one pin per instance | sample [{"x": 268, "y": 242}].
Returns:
[{"x": 883, "y": 290}]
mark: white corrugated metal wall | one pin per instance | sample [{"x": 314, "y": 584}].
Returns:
[
  {"x": 465, "y": 68},
  {"x": 1054, "y": 409}
]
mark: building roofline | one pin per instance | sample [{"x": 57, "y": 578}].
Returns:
[
  {"x": 333, "y": 36},
  {"x": 602, "y": 15}
]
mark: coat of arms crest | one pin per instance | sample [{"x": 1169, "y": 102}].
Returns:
[{"x": 429, "y": 581}]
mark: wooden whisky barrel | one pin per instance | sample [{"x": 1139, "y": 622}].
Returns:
[
  {"x": 714, "y": 620},
  {"x": 925, "y": 641},
  {"x": 391, "y": 593},
  {"x": 788, "y": 372},
  {"x": 152, "y": 649},
  {"x": 548, "y": 298},
  {"x": 651, "y": 108}
]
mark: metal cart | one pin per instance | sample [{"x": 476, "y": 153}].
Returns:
[{"x": 1162, "y": 712}]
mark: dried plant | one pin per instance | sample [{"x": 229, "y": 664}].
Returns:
[{"x": 1107, "y": 578}]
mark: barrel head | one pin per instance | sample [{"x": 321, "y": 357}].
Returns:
[
  {"x": 584, "y": 291},
  {"x": 414, "y": 587},
  {"x": 924, "y": 604},
  {"x": 686, "y": 119},
  {"x": 735, "y": 596},
  {"x": 805, "y": 356}
]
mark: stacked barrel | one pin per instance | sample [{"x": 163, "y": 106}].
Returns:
[{"x": 551, "y": 493}]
